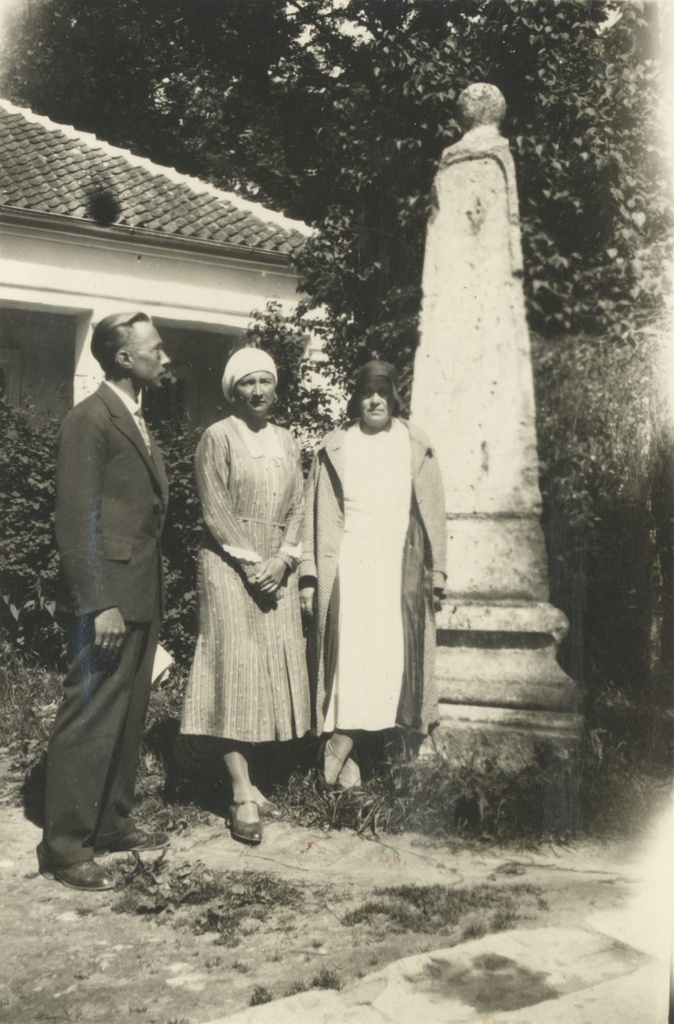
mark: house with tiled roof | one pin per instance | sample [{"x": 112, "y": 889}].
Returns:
[{"x": 87, "y": 229}]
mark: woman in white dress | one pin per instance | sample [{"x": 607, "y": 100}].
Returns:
[
  {"x": 372, "y": 570},
  {"x": 248, "y": 682}
]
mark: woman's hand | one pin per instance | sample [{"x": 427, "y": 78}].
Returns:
[
  {"x": 269, "y": 576},
  {"x": 307, "y": 601}
]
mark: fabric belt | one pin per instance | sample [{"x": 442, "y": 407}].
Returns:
[{"x": 262, "y": 522}]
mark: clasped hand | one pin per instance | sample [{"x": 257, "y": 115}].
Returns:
[{"x": 269, "y": 576}]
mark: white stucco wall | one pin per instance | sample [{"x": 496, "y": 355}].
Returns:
[{"x": 47, "y": 265}]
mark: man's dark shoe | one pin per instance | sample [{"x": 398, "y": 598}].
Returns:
[
  {"x": 136, "y": 842},
  {"x": 88, "y": 875}
]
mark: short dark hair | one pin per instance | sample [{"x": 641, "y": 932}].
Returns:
[{"x": 111, "y": 333}]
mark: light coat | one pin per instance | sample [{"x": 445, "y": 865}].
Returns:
[{"x": 423, "y": 572}]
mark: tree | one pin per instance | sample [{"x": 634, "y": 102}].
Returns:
[{"x": 336, "y": 112}]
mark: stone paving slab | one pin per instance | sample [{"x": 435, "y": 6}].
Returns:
[
  {"x": 496, "y": 974},
  {"x": 538, "y": 976}
]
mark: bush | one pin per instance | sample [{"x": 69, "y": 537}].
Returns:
[
  {"x": 27, "y": 500},
  {"x": 608, "y": 508},
  {"x": 29, "y": 564}
]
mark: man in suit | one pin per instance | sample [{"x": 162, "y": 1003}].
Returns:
[{"x": 111, "y": 497}]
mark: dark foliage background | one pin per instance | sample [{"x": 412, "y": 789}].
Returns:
[
  {"x": 337, "y": 115},
  {"x": 28, "y": 559}
]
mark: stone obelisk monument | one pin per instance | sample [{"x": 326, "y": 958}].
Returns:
[{"x": 501, "y": 689}]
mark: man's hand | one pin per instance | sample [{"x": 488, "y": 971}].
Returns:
[
  {"x": 269, "y": 576},
  {"x": 110, "y": 630},
  {"x": 307, "y": 601}
]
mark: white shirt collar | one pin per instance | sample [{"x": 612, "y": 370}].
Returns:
[{"x": 131, "y": 403}]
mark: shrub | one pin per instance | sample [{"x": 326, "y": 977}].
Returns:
[{"x": 29, "y": 565}]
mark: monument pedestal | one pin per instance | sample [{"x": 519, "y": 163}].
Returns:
[
  {"x": 503, "y": 696},
  {"x": 502, "y": 692}
]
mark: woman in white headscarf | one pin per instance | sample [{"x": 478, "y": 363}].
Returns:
[{"x": 248, "y": 682}]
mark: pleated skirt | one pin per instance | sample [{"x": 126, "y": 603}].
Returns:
[{"x": 248, "y": 680}]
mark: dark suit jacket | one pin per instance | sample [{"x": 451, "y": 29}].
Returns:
[{"x": 111, "y": 499}]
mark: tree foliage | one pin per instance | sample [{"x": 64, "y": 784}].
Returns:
[{"x": 336, "y": 113}]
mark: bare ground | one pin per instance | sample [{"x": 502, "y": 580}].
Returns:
[{"x": 72, "y": 957}]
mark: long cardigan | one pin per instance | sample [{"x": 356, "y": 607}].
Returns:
[{"x": 423, "y": 572}]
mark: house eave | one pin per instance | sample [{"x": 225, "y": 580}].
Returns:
[{"x": 53, "y": 223}]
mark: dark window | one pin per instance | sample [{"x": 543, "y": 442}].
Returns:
[{"x": 165, "y": 404}]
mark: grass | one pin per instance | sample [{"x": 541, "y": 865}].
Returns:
[
  {"x": 261, "y": 994},
  {"x": 619, "y": 789},
  {"x": 222, "y": 902},
  {"x": 439, "y": 909},
  {"x": 29, "y": 696},
  {"x": 434, "y": 798},
  {"x": 327, "y": 978}
]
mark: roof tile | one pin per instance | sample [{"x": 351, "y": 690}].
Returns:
[{"x": 50, "y": 168}]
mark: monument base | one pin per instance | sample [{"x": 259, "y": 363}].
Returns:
[{"x": 503, "y": 696}]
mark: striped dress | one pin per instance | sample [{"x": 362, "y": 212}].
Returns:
[{"x": 248, "y": 680}]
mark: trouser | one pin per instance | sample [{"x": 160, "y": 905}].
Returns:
[{"x": 92, "y": 757}]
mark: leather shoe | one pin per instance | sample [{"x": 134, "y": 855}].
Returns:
[
  {"x": 268, "y": 809},
  {"x": 137, "y": 841},
  {"x": 87, "y": 875},
  {"x": 244, "y": 831}
]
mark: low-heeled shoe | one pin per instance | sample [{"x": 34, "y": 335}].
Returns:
[
  {"x": 268, "y": 809},
  {"x": 244, "y": 831},
  {"x": 137, "y": 841},
  {"x": 88, "y": 875}
]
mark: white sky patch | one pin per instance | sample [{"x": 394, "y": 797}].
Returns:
[{"x": 7, "y": 5}]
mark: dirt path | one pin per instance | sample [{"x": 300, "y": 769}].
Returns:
[{"x": 70, "y": 957}]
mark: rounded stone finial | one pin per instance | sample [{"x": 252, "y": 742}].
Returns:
[{"x": 481, "y": 104}]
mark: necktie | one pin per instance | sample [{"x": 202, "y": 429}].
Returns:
[{"x": 143, "y": 429}]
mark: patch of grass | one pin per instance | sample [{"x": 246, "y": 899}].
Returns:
[
  {"x": 370, "y": 809},
  {"x": 241, "y": 967},
  {"x": 261, "y": 994},
  {"x": 478, "y": 800},
  {"x": 620, "y": 791},
  {"x": 504, "y": 919},
  {"x": 327, "y": 978},
  {"x": 474, "y": 930},
  {"x": 217, "y": 901},
  {"x": 29, "y": 696},
  {"x": 438, "y": 909},
  {"x": 295, "y": 988}
]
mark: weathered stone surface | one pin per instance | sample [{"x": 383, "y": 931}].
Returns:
[
  {"x": 496, "y": 557},
  {"x": 535, "y": 619},
  {"x": 480, "y": 104},
  {"x": 473, "y": 395},
  {"x": 508, "y": 972},
  {"x": 504, "y": 677},
  {"x": 473, "y": 388},
  {"x": 510, "y": 737}
]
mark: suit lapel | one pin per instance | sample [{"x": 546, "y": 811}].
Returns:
[{"x": 122, "y": 419}]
